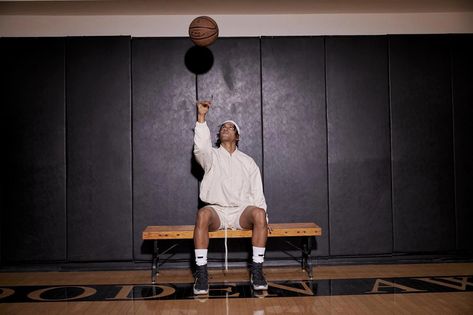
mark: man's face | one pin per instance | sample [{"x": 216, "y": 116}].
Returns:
[{"x": 228, "y": 133}]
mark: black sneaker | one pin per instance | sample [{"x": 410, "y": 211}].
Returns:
[
  {"x": 201, "y": 285},
  {"x": 257, "y": 277}
]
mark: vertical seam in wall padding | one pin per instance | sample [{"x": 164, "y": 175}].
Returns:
[
  {"x": 393, "y": 226},
  {"x": 261, "y": 105},
  {"x": 66, "y": 238},
  {"x": 130, "y": 75},
  {"x": 326, "y": 144},
  {"x": 451, "y": 43}
]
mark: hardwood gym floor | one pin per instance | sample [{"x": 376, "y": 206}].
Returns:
[{"x": 445, "y": 288}]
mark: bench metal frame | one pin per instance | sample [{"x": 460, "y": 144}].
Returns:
[{"x": 306, "y": 231}]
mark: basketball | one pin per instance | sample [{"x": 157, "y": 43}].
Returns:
[{"x": 203, "y": 31}]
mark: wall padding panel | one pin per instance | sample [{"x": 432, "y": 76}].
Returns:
[
  {"x": 358, "y": 145},
  {"x": 33, "y": 177},
  {"x": 294, "y": 131},
  {"x": 234, "y": 81},
  {"x": 165, "y": 189},
  {"x": 462, "y": 83},
  {"x": 99, "y": 212},
  {"x": 369, "y": 136},
  {"x": 422, "y": 143}
]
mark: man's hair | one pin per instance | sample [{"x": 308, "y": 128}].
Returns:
[{"x": 218, "y": 143}]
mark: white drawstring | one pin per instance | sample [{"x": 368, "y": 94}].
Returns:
[
  {"x": 226, "y": 249},
  {"x": 225, "y": 224}
]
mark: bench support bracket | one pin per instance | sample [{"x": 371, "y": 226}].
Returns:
[
  {"x": 156, "y": 258},
  {"x": 155, "y": 266},
  {"x": 306, "y": 257}
]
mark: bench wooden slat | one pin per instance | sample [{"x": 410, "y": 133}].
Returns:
[{"x": 187, "y": 231}]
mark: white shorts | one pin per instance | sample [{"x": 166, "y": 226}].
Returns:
[{"x": 229, "y": 216}]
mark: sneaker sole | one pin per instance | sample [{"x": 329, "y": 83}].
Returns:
[
  {"x": 201, "y": 292},
  {"x": 259, "y": 287}
]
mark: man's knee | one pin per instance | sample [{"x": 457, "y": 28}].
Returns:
[
  {"x": 259, "y": 216},
  {"x": 204, "y": 216}
]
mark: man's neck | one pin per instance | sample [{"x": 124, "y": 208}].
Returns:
[{"x": 229, "y": 146}]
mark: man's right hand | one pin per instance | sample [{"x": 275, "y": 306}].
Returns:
[{"x": 202, "y": 110}]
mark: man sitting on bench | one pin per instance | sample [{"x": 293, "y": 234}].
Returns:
[{"x": 233, "y": 191}]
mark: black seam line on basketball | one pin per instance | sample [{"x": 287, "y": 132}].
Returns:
[
  {"x": 206, "y": 27},
  {"x": 204, "y": 37},
  {"x": 204, "y": 32}
]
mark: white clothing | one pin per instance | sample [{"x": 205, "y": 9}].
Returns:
[
  {"x": 230, "y": 180},
  {"x": 229, "y": 216}
]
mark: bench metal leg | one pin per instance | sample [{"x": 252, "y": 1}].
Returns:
[
  {"x": 306, "y": 257},
  {"x": 155, "y": 264}
]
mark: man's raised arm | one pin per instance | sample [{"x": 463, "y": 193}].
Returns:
[
  {"x": 202, "y": 110},
  {"x": 202, "y": 140}
]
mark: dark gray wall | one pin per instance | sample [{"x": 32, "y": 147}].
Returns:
[
  {"x": 369, "y": 136},
  {"x": 422, "y": 143},
  {"x": 358, "y": 145},
  {"x": 294, "y": 132},
  {"x": 164, "y": 188},
  {"x": 99, "y": 212},
  {"x": 461, "y": 50},
  {"x": 33, "y": 218}
]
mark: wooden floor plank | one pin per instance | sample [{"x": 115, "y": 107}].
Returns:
[
  {"x": 218, "y": 275},
  {"x": 388, "y": 303}
]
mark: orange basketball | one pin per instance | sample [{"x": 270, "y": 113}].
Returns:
[{"x": 203, "y": 31}]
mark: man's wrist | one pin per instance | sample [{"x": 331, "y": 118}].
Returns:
[{"x": 201, "y": 118}]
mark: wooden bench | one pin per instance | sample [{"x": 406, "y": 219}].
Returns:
[{"x": 180, "y": 232}]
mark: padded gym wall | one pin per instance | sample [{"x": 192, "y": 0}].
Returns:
[
  {"x": 34, "y": 165},
  {"x": 369, "y": 136},
  {"x": 294, "y": 131},
  {"x": 164, "y": 188},
  {"x": 462, "y": 69},
  {"x": 358, "y": 145},
  {"x": 99, "y": 210},
  {"x": 234, "y": 81},
  {"x": 422, "y": 143}
]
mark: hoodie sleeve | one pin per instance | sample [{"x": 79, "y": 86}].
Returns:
[{"x": 203, "y": 145}]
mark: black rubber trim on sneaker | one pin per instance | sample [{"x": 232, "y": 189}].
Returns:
[
  {"x": 257, "y": 269},
  {"x": 201, "y": 284}
]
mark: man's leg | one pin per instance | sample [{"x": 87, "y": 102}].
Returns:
[
  {"x": 206, "y": 220},
  {"x": 254, "y": 218}
]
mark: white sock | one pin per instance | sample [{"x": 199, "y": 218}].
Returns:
[
  {"x": 200, "y": 257},
  {"x": 258, "y": 254}
]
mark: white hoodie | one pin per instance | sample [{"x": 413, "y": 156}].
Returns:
[{"x": 230, "y": 179}]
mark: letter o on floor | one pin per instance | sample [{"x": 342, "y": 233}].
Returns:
[{"x": 36, "y": 295}]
